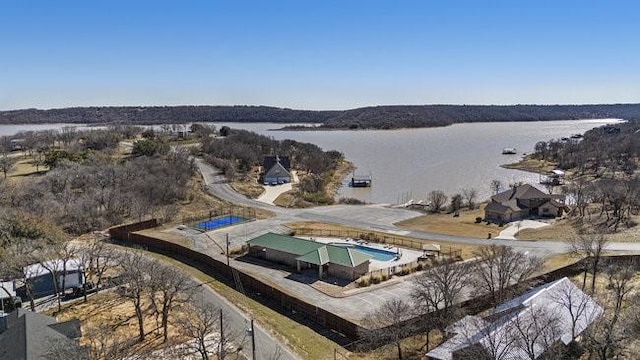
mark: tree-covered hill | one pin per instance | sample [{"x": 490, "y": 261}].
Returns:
[
  {"x": 378, "y": 117},
  {"x": 144, "y": 115}
]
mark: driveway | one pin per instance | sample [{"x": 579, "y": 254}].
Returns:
[{"x": 514, "y": 227}]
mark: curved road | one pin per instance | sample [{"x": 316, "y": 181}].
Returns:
[{"x": 375, "y": 217}]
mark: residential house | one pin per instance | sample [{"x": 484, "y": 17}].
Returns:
[
  {"x": 26, "y": 335},
  {"x": 521, "y": 202},
  {"x": 551, "y": 315},
  {"x": 338, "y": 261},
  {"x": 276, "y": 170}
]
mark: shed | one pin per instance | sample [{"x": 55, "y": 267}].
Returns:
[{"x": 41, "y": 278}]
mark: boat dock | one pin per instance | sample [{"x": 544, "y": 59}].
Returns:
[{"x": 361, "y": 180}]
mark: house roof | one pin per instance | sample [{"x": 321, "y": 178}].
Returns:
[
  {"x": 311, "y": 251},
  {"x": 277, "y": 170},
  {"x": 549, "y": 297},
  {"x": 288, "y": 244},
  {"x": 270, "y": 160},
  {"x": 30, "y": 335},
  {"x": 38, "y": 269},
  {"x": 501, "y": 207},
  {"x": 521, "y": 192},
  {"x": 335, "y": 254},
  {"x": 431, "y": 247}
]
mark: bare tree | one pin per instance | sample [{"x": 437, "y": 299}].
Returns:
[
  {"x": 168, "y": 287},
  {"x": 96, "y": 258},
  {"x": 575, "y": 303},
  {"x": 387, "y": 323},
  {"x": 438, "y": 291},
  {"x": 620, "y": 276},
  {"x": 436, "y": 199},
  {"x": 499, "y": 267},
  {"x": 485, "y": 341},
  {"x": 6, "y": 164},
  {"x": 536, "y": 330},
  {"x": 590, "y": 246},
  {"x": 605, "y": 337},
  {"x": 470, "y": 195},
  {"x": 205, "y": 325},
  {"x": 136, "y": 270},
  {"x": 495, "y": 186}
]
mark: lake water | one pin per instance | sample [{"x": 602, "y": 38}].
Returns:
[{"x": 408, "y": 163}]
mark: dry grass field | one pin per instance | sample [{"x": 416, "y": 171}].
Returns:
[
  {"x": 532, "y": 165},
  {"x": 463, "y": 225}
]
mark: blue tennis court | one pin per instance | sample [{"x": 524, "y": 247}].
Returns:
[{"x": 220, "y": 222}]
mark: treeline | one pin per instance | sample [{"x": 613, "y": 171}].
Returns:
[
  {"x": 245, "y": 149},
  {"x": 378, "y": 117},
  {"x": 144, "y": 115},
  {"x": 390, "y": 117}
]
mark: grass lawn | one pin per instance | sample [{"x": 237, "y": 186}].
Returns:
[
  {"x": 24, "y": 167},
  {"x": 565, "y": 229},
  {"x": 463, "y": 225}
]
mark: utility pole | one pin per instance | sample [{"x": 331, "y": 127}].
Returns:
[
  {"x": 221, "y": 342},
  {"x": 253, "y": 342},
  {"x": 227, "y": 249}
]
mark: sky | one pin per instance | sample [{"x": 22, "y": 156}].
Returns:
[{"x": 320, "y": 54}]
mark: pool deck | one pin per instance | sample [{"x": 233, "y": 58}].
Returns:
[{"x": 408, "y": 255}]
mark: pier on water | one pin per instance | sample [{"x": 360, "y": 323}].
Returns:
[{"x": 360, "y": 180}]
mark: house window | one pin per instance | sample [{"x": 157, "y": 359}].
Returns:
[{"x": 545, "y": 210}]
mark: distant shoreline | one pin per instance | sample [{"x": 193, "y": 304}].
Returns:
[{"x": 377, "y": 118}]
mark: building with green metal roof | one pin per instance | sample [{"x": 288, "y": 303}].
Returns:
[{"x": 338, "y": 261}]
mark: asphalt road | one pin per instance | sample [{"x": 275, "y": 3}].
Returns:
[{"x": 236, "y": 328}]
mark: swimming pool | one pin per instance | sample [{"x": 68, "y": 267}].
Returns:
[
  {"x": 220, "y": 222},
  {"x": 376, "y": 254}
]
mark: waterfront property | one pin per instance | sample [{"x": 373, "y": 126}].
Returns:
[
  {"x": 328, "y": 260},
  {"x": 521, "y": 202},
  {"x": 276, "y": 170},
  {"x": 525, "y": 327}
]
